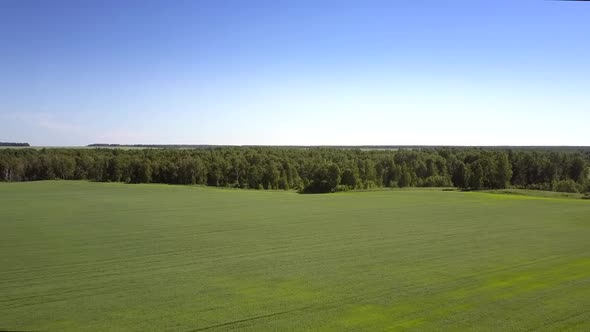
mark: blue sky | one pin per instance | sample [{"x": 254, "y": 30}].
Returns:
[{"x": 299, "y": 73}]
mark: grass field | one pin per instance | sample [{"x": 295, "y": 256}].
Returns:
[{"x": 96, "y": 256}]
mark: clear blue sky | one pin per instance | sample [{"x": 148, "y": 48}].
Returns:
[{"x": 504, "y": 72}]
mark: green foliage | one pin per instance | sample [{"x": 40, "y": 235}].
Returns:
[
  {"x": 333, "y": 175},
  {"x": 502, "y": 172},
  {"x": 306, "y": 170},
  {"x": 435, "y": 181},
  {"x": 342, "y": 187},
  {"x": 405, "y": 179},
  {"x": 566, "y": 186},
  {"x": 474, "y": 176},
  {"x": 576, "y": 169},
  {"x": 458, "y": 174},
  {"x": 325, "y": 179},
  {"x": 349, "y": 178},
  {"x": 14, "y": 144}
]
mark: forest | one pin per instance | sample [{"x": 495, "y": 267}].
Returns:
[
  {"x": 14, "y": 144},
  {"x": 308, "y": 170}
]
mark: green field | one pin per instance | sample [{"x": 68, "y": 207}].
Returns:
[{"x": 96, "y": 256}]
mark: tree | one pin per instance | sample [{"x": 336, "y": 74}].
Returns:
[
  {"x": 566, "y": 186},
  {"x": 4, "y": 168},
  {"x": 333, "y": 176},
  {"x": 349, "y": 178},
  {"x": 313, "y": 169},
  {"x": 141, "y": 171},
  {"x": 503, "y": 172},
  {"x": 325, "y": 179},
  {"x": 254, "y": 177},
  {"x": 187, "y": 172},
  {"x": 64, "y": 167},
  {"x": 405, "y": 179},
  {"x": 367, "y": 171},
  {"x": 474, "y": 176},
  {"x": 421, "y": 169},
  {"x": 199, "y": 170},
  {"x": 458, "y": 176},
  {"x": 271, "y": 176},
  {"x": 391, "y": 174},
  {"x": 576, "y": 169},
  {"x": 214, "y": 175},
  {"x": 284, "y": 182},
  {"x": 114, "y": 170}
]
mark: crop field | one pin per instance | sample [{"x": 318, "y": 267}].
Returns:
[{"x": 99, "y": 256}]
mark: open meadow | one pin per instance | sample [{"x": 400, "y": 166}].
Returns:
[{"x": 108, "y": 256}]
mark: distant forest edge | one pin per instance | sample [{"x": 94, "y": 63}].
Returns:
[
  {"x": 310, "y": 169},
  {"x": 14, "y": 144},
  {"x": 362, "y": 147}
]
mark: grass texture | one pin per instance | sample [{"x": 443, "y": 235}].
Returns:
[{"x": 79, "y": 256}]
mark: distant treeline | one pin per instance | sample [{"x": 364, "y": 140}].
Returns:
[
  {"x": 13, "y": 144},
  {"x": 310, "y": 170},
  {"x": 151, "y": 146},
  {"x": 348, "y": 147}
]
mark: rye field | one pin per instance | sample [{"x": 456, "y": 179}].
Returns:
[{"x": 80, "y": 256}]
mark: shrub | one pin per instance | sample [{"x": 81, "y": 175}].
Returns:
[
  {"x": 370, "y": 185},
  {"x": 566, "y": 186},
  {"x": 342, "y": 187},
  {"x": 318, "y": 187},
  {"x": 538, "y": 186},
  {"x": 435, "y": 181}
]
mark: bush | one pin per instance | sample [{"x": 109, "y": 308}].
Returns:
[
  {"x": 538, "y": 186},
  {"x": 435, "y": 181},
  {"x": 370, "y": 185},
  {"x": 342, "y": 187},
  {"x": 318, "y": 187},
  {"x": 566, "y": 186}
]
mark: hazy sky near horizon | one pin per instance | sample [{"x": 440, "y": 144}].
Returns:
[{"x": 295, "y": 72}]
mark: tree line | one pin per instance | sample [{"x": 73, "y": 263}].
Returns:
[
  {"x": 14, "y": 144},
  {"x": 309, "y": 170}
]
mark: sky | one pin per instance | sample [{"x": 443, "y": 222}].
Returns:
[{"x": 407, "y": 72}]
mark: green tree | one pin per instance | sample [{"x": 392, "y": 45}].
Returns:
[
  {"x": 458, "y": 176},
  {"x": 333, "y": 176},
  {"x": 576, "y": 169},
  {"x": 349, "y": 178},
  {"x": 474, "y": 175},
  {"x": 405, "y": 179},
  {"x": 254, "y": 177},
  {"x": 503, "y": 172}
]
